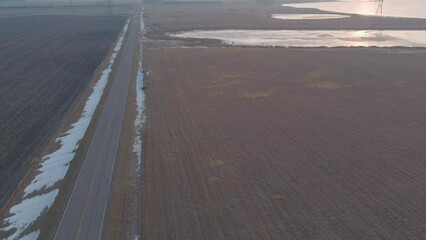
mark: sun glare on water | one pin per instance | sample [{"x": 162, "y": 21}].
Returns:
[
  {"x": 362, "y": 34},
  {"x": 366, "y": 8}
]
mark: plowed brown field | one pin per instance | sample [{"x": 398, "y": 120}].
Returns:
[
  {"x": 45, "y": 63},
  {"x": 285, "y": 144}
]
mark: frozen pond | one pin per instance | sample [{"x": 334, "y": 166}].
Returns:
[
  {"x": 391, "y": 8},
  {"x": 309, "y": 38},
  {"x": 329, "y": 38},
  {"x": 308, "y": 16}
]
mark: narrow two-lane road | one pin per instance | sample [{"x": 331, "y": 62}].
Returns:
[{"x": 84, "y": 215}]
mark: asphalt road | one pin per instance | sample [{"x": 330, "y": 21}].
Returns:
[{"x": 85, "y": 212}]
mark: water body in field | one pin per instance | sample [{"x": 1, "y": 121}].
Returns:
[
  {"x": 308, "y": 16},
  {"x": 312, "y": 38},
  {"x": 391, "y": 8}
]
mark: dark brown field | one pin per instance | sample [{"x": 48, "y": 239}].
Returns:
[
  {"x": 285, "y": 144},
  {"x": 45, "y": 64}
]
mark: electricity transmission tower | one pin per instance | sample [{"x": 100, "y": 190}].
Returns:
[
  {"x": 379, "y": 12},
  {"x": 380, "y": 8}
]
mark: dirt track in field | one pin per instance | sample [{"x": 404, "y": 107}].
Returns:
[
  {"x": 285, "y": 144},
  {"x": 45, "y": 64}
]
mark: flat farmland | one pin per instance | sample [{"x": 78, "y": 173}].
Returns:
[
  {"x": 45, "y": 64},
  {"x": 162, "y": 18},
  {"x": 256, "y": 143}
]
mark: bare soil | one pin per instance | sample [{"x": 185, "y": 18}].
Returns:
[
  {"x": 285, "y": 144},
  {"x": 46, "y": 63},
  {"x": 53, "y": 8}
]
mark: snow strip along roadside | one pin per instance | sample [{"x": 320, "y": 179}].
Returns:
[
  {"x": 54, "y": 166},
  {"x": 140, "y": 104},
  {"x": 140, "y": 109}
]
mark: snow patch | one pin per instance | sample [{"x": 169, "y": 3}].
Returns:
[
  {"x": 140, "y": 117},
  {"x": 308, "y": 16},
  {"x": 140, "y": 105},
  {"x": 27, "y": 212},
  {"x": 313, "y": 38},
  {"x": 137, "y": 238},
  {"x": 31, "y": 236}
]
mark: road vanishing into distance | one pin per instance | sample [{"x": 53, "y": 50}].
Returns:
[{"x": 84, "y": 214}]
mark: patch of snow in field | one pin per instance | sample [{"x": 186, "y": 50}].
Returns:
[
  {"x": 27, "y": 211},
  {"x": 308, "y": 16},
  {"x": 137, "y": 237},
  {"x": 54, "y": 166}
]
